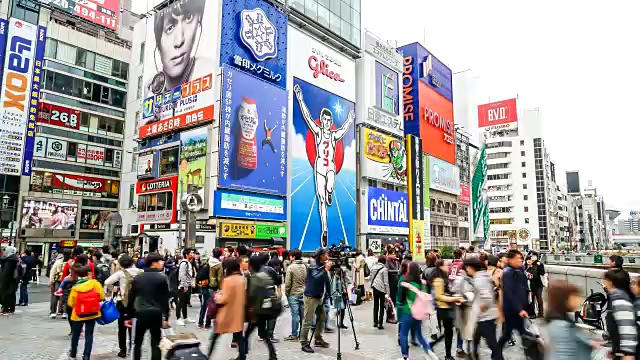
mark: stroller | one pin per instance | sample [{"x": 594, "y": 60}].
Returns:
[
  {"x": 532, "y": 342},
  {"x": 592, "y": 311}
]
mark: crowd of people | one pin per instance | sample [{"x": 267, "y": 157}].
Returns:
[{"x": 475, "y": 296}]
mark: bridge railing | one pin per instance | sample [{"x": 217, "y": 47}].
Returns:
[{"x": 589, "y": 280}]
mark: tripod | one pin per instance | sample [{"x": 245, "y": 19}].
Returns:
[{"x": 337, "y": 274}]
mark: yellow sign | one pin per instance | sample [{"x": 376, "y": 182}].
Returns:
[
  {"x": 240, "y": 231},
  {"x": 417, "y": 239},
  {"x": 376, "y": 145}
]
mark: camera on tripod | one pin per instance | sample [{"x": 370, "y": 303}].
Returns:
[{"x": 340, "y": 254}]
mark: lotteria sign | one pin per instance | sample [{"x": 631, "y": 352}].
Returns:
[
  {"x": 150, "y": 214},
  {"x": 388, "y": 211}
]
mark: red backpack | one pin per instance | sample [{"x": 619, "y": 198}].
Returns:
[{"x": 87, "y": 304}]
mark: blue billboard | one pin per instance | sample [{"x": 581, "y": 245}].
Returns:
[
  {"x": 323, "y": 182},
  {"x": 253, "y": 134},
  {"x": 421, "y": 65},
  {"x": 388, "y": 211},
  {"x": 254, "y": 39},
  {"x": 243, "y": 205},
  {"x": 30, "y": 137}
]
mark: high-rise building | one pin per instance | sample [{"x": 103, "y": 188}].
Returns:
[
  {"x": 62, "y": 185},
  {"x": 588, "y": 212}
]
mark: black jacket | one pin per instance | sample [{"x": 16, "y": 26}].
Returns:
[
  {"x": 514, "y": 283},
  {"x": 149, "y": 294},
  {"x": 318, "y": 282},
  {"x": 537, "y": 271},
  {"x": 9, "y": 264},
  {"x": 30, "y": 261}
]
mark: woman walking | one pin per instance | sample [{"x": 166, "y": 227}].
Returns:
[
  {"x": 380, "y": 288},
  {"x": 444, "y": 304}
]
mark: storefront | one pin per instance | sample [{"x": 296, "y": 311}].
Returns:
[
  {"x": 387, "y": 218},
  {"x": 256, "y": 235}
]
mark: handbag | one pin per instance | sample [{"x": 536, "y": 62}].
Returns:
[
  {"x": 212, "y": 307},
  {"x": 109, "y": 312}
]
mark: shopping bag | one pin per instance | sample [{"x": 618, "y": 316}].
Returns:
[
  {"x": 109, "y": 312},
  {"x": 391, "y": 310}
]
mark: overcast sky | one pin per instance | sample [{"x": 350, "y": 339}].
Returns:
[{"x": 577, "y": 62}]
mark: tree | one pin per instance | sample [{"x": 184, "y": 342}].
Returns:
[{"x": 447, "y": 252}]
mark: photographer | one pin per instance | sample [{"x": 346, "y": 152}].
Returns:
[{"x": 317, "y": 287}]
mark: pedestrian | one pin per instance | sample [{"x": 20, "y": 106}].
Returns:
[
  {"x": 484, "y": 308},
  {"x": 39, "y": 265},
  {"x": 103, "y": 270},
  {"x": 257, "y": 265},
  {"x": 514, "y": 283},
  {"x": 55, "y": 277},
  {"x": 358, "y": 276},
  {"x": 65, "y": 290},
  {"x": 140, "y": 263},
  {"x": 232, "y": 302},
  {"x": 381, "y": 291},
  {"x": 8, "y": 280},
  {"x": 536, "y": 269},
  {"x": 404, "y": 268},
  {"x": 148, "y": 305},
  {"x": 463, "y": 287},
  {"x": 186, "y": 280},
  {"x": 84, "y": 300},
  {"x": 75, "y": 252},
  {"x": 393, "y": 267},
  {"x": 569, "y": 341},
  {"x": 408, "y": 322},
  {"x": 620, "y": 319},
  {"x": 124, "y": 279},
  {"x": 195, "y": 289},
  {"x": 317, "y": 288},
  {"x": 445, "y": 302},
  {"x": 276, "y": 275},
  {"x": 286, "y": 261},
  {"x": 294, "y": 284},
  {"x": 29, "y": 262}
]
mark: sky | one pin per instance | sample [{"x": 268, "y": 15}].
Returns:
[{"x": 575, "y": 60}]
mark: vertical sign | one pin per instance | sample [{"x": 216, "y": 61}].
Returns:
[
  {"x": 4, "y": 28},
  {"x": 33, "y": 102},
  {"x": 415, "y": 185},
  {"x": 426, "y": 196},
  {"x": 477, "y": 184},
  {"x": 14, "y": 97}
]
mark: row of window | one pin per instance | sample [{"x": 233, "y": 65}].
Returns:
[
  {"x": 47, "y": 130},
  {"x": 498, "y": 166},
  {"x": 87, "y": 59},
  {"x": 499, "y": 144},
  {"x": 500, "y": 188},
  {"x": 500, "y": 155},
  {"x": 155, "y": 202},
  {"x": 445, "y": 207},
  {"x": 500, "y": 198},
  {"x": 82, "y": 104},
  {"x": 86, "y": 74},
  {"x": 444, "y": 231},
  {"x": 500, "y": 210},
  {"x": 89, "y": 170},
  {"x": 499, "y": 177},
  {"x": 71, "y": 86},
  {"x": 341, "y": 16}
]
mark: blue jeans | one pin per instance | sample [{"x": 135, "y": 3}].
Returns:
[
  {"x": 205, "y": 295},
  {"x": 24, "y": 294},
  {"x": 408, "y": 323},
  {"x": 296, "y": 305},
  {"x": 76, "y": 329}
]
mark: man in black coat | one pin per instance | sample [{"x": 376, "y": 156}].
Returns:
[
  {"x": 29, "y": 260},
  {"x": 8, "y": 282}
]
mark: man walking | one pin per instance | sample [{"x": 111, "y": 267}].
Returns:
[
  {"x": 55, "y": 277},
  {"x": 317, "y": 287},
  {"x": 294, "y": 291},
  {"x": 514, "y": 283},
  {"x": 185, "y": 286},
  {"x": 29, "y": 263}
]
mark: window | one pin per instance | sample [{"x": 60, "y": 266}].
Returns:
[
  {"x": 524, "y": 186},
  {"x": 66, "y": 53},
  {"x": 526, "y": 197},
  {"x": 199, "y": 239},
  {"x": 454, "y": 232},
  {"x": 524, "y": 164},
  {"x": 526, "y": 209},
  {"x": 526, "y": 220},
  {"x": 169, "y": 161},
  {"x": 51, "y": 47},
  {"x": 433, "y": 205},
  {"x": 139, "y": 93},
  {"x": 134, "y": 163},
  {"x": 524, "y": 175},
  {"x": 440, "y": 230},
  {"x": 155, "y": 202},
  {"x": 372, "y": 182},
  {"x": 132, "y": 193},
  {"x": 521, "y": 141},
  {"x": 142, "y": 53},
  {"x": 522, "y": 153},
  {"x": 81, "y": 58}
]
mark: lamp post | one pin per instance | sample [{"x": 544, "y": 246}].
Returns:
[{"x": 5, "y": 207}]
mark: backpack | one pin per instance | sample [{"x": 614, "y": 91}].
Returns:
[
  {"x": 103, "y": 271},
  {"x": 422, "y": 306},
  {"x": 263, "y": 297},
  {"x": 127, "y": 287},
  {"x": 186, "y": 349},
  {"x": 215, "y": 276},
  {"x": 367, "y": 271},
  {"x": 202, "y": 278},
  {"x": 87, "y": 304},
  {"x": 276, "y": 265},
  {"x": 20, "y": 270}
]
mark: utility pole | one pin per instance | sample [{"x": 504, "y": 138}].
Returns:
[{"x": 180, "y": 211}]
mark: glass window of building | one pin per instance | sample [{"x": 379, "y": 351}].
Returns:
[
  {"x": 340, "y": 16},
  {"x": 66, "y": 53},
  {"x": 323, "y": 15},
  {"x": 26, "y": 10},
  {"x": 139, "y": 91},
  {"x": 142, "y": 53},
  {"x": 169, "y": 161},
  {"x": 311, "y": 9},
  {"x": 50, "y": 48}
]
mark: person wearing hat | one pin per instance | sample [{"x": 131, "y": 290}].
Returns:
[
  {"x": 8, "y": 282},
  {"x": 317, "y": 288}
]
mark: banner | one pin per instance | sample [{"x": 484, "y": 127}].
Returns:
[
  {"x": 100, "y": 12},
  {"x": 465, "y": 195},
  {"x": 417, "y": 239},
  {"x": 95, "y": 155},
  {"x": 48, "y": 214},
  {"x": 437, "y": 128},
  {"x": 426, "y": 196},
  {"x": 236, "y": 204},
  {"x": 33, "y": 100},
  {"x": 254, "y": 39},
  {"x": 500, "y": 115},
  {"x": 16, "y": 91},
  {"x": 385, "y": 157},
  {"x": 323, "y": 184},
  {"x": 157, "y": 200},
  {"x": 146, "y": 165},
  {"x": 56, "y": 149},
  {"x": 59, "y": 116},
  {"x": 252, "y": 231},
  {"x": 477, "y": 188},
  {"x": 253, "y": 154},
  {"x": 192, "y": 175},
  {"x": 178, "y": 67},
  {"x": 415, "y": 186},
  {"x": 388, "y": 211},
  {"x": 264, "y": 231},
  {"x": 444, "y": 176}
]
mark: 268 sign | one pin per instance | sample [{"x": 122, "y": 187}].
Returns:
[{"x": 59, "y": 116}]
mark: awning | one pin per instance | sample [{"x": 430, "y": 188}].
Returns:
[
  {"x": 278, "y": 241},
  {"x": 149, "y": 234}
]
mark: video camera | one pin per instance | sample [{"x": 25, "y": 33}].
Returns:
[{"x": 339, "y": 255}]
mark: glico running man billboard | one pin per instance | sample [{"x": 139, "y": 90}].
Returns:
[
  {"x": 179, "y": 67},
  {"x": 323, "y": 179},
  {"x": 253, "y": 138},
  {"x": 254, "y": 39}
]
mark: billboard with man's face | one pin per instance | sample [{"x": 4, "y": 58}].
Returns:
[{"x": 179, "y": 67}]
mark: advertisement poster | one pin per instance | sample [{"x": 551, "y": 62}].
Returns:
[
  {"x": 444, "y": 176},
  {"x": 426, "y": 200},
  {"x": 417, "y": 239},
  {"x": 253, "y": 154},
  {"x": 16, "y": 88},
  {"x": 415, "y": 186},
  {"x": 323, "y": 184},
  {"x": 253, "y": 231},
  {"x": 95, "y": 155},
  {"x": 59, "y": 116},
  {"x": 30, "y": 135},
  {"x": 465, "y": 195},
  {"x": 388, "y": 211},
  {"x": 48, "y": 214},
  {"x": 146, "y": 165},
  {"x": 500, "y": 115},
  {"x": 193, "y": 161},
  {"x": 478, "y": 193},
  {"x": 179, "y": 67},
  {"x": 243, "y": 205},
  {"x": 100, "y": 12},
  {"x": 387, "y": 89},
  {"x": 56, "y": 149},
  {"x": 254, "y": 39},
  {"x": 385, "y": 157},
  {"x": 437, "y": 129}
]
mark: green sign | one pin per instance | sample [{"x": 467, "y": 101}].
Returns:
[
  {"x": 252, "y": 200},
  {"x": 477, "y": 184},
  {"x": 270, "y": 231}
]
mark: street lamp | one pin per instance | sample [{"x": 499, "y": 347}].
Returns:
[{"x": 5, "y": 205}]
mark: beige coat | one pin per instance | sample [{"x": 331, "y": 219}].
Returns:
[
  {"x": 358, "y": 269},
  {"x": 232, "y": 299}
]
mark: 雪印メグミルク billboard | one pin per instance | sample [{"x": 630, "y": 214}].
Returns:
[
  {"x": 254, "y": 39},
  {"x": 253, "y": 134},
  {"x": 179, "y": 67},
  {"x": 385, "y": 157},
  {"x": 192, "y": 175},
  {"x": 243, "y": 205}
]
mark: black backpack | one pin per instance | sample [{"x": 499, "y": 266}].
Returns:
[
  {"x": 103, "y": 271},
  {"x": 263, "y": 297}
]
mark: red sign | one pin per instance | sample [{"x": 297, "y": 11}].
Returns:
[
  {"x": 465, "y": 195},
  {"x": 498, "y": 115},
  {"x": 437, "y": 129},
  {"x": 174, "y": 123},
  {"x": 59, "y": 116},
  {"x": 169, "y": 184},
  {"x": 157, "y": 185},
  {"x": 322, "y": 67},
  {"x": 68, "y": 243},
  {"x": 78, "y": 182}
]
